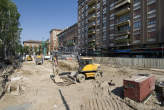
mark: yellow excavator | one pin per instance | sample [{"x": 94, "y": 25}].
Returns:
[
  {"x": 88, "y": 69},
  {"x": 29, "y": 58},
  {"x": 39, "y": 60}
]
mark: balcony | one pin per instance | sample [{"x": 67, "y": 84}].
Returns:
[
  {"x": 91, "y": 18},
  {"x": 92, "y": 25},
  {"x": 136, "y": 41},
  {"x": 122, "y": 37},
  {"x": 92, "y": 10},
  {"x": 123, "y": 11},
  {"x": 122, "y": 42},
  {"x": 91, "y": 40},
  {"x": 92, "y": 2},
  {"x": 91, "y": 45},
  {"x": 125, "y": 22},
  {"x": 91, "y": 32},
  {"x": 121, "y": 33},
  {"x": 151, "y": 2},
  {"x": 121, "y": 3}
]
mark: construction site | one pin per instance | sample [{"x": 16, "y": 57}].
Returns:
[{"x": 51, "y": 86}]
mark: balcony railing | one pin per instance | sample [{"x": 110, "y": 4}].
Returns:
[
  {"x": 91, "y": 18},
  {"x": 120, "y": 33},
  {"x": 122, "y": 37},
  {"x": 91, "y": 32},
  {"x": 121, "y": 3},
  {"x": 91, "y": 2},
  {"x": 91, "y": 40},
  {"x": 151, "y": 2},
  {"x": 91, "y": 45},
  {"x": 121, "y": 40},
  {"x": 92, "y": 25},
  {"x": 123, "y": 11},
  {"x": 121, "y": 23},
  {"x": 92, "y": 10}
]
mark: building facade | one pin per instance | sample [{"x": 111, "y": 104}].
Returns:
[
  {"x": 136, "y": 27},
  {"x": 33, "y": 46},
  {"x": 32, "y": 43},
  {"x": 54, "y": 39},
  {"x": 92, "y": 26},
  {"x": 121, "y": 26},
  {"x": 68, "y": 40}
]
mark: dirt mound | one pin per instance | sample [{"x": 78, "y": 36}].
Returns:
[{"x": 68, "y": 65}]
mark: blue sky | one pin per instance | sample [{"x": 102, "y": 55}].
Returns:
[{"x": 38, "y": 17}]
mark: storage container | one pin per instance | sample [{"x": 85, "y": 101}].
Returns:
[{"x": 139, "y": 87}]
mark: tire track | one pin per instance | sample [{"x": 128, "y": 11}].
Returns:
[{"x": 102, "y": 100}]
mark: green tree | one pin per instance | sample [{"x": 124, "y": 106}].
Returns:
[
  {"x": 47, "y": 46},
  {"x": 26, "y": 50},
  {"x": 40, "y": 50},
  {"x": 9, "y": 28},
  {"x": 36, "y": 50}
]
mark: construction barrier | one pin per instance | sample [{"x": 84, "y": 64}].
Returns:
[{"x": 135, "y": 62}]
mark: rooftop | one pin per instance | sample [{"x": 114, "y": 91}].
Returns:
[
  {"x": 56, "y": 30},
  {"x": 32, "y": 41}
]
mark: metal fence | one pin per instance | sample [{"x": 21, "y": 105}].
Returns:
[{"x": 136, "y": 62}]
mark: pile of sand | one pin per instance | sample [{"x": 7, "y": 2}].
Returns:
[{"x": 68, "y": 65}]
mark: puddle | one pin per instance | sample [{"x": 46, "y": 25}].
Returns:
[{"x": 19, "y": 107}]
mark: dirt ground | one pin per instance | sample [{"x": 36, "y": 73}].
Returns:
[{"x": 38, "y": 92}]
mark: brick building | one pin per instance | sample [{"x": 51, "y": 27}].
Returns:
[
  {"x": 32, "y": 43},
  {"x": 68, "y": 39},
  {"x": 54, "y": 39}
]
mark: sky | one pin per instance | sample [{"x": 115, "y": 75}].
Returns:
[{"x": 38, "y": 17}]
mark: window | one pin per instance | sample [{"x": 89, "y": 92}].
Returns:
[
  {"x": 137, "y": 24},
  {"x": 152, "y": 6},
  {"x": 104, "y": 2},
  {"x": 124, "y": 18},
  {"x": 98, "y": 5},
  {"x": 104, "y": 11},
  {"x": 98, "y": 14},
  {"x": 123, "y": 28},
  {"x": 151, "y": 36},
  {"x": 135, "y": 1},
  {"x": 137, "y": 12},
  {"x": 151, "y": 21}
]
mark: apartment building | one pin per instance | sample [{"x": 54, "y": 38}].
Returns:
[
  {"x": 136, "y": 26},
  {"x": 54, "y": 39},
  {"x": 121, "y": 26},
  {"x": 68, "y": 40},
  {"x": 92, "y": 23}
]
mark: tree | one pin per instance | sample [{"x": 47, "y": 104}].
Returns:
[
  {"x": 9, "y": 28},
  {"x": 26, "y": 50},
  {"x": 47, "y": 46},
  {"x": 40, "y": 50}
]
